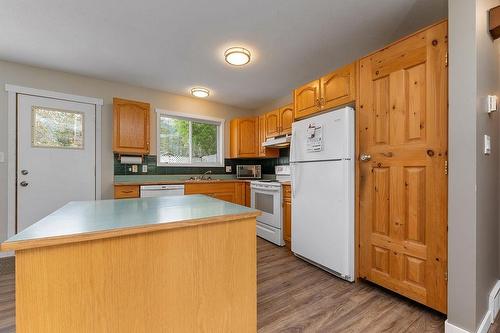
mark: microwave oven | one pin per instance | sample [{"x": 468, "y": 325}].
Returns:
[{"x": 248, "y": 172}]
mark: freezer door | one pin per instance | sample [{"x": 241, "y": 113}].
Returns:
[
  {"x": 323, "y": 214},
  {"x": 332, "y": 139}
]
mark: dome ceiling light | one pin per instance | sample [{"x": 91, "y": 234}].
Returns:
[
  {"x": 200, "y": 92},
  {"x": 237, "y": 56}
]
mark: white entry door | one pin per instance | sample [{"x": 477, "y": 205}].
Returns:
[{"x": 55, "y": 156}]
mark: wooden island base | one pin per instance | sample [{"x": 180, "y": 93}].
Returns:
[{"x": 200, "y": 278}]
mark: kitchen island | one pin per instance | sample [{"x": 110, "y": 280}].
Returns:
[{"x": 165, "y": 264}]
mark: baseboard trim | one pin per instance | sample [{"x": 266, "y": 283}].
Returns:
[
  {"x": 494, "y": 303},
  {"x": 450, "y": 328},
  {"x": 485, "y": 323},
  {"x": 489, "y": 317}
]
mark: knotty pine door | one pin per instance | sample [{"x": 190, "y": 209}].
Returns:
[{"x": 403, "y": 127}]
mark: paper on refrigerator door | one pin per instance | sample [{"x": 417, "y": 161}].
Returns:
[{"x": 314, "y": 137}]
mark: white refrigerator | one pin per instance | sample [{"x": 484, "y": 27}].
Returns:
[{"x": 322, "y": 172}]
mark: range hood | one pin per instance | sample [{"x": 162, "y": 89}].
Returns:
[{"x": 278, "y": 142}]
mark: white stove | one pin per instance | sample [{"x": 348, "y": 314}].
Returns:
[{"x": 266, "y": 196}]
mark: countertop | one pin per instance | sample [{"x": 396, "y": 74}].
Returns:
[
  {"x": 88, "y": 220},
  {"x": 174, "y": 182},
  {"x": 177, "y": 179}
]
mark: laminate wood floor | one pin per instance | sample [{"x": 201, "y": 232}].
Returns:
[{"x": 294, "y": 296}]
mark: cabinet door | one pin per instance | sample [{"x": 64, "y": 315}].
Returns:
[
  {"x": 286, "y": 119},
  {"x": 306, "y": 99},
  {"x": 248, "y": 198},
  {"x": 248, "y": 138},
  {"x": 338, "y": 88},
  {"x": 130, "y": 127},
  {"x": 287, "y": 216},
  {"x": 265, "y": 152},
  {"x": 244, "y": 138},
  {"x": 272, "y": 124}
]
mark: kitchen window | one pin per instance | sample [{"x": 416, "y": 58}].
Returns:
[{"x": 191, "y": 141}]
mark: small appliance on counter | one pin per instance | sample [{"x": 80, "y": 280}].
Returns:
[
  {"x": 248, "y": 172},
  {"x": 266, "y": 196}
]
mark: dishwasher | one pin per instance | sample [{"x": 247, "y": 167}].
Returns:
[{"x": 161, "y": 190}]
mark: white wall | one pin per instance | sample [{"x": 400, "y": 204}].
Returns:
[
  {"x": 473, "y": 177},
  {"x": 33, "y": 77}
]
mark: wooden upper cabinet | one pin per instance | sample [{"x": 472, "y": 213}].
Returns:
[
  {"x": 130, "y": 127},
  {"x": 338, "y": 87},
  {"x": 332, "y": 90},
  {"x": 244, "y": 137},
  {"x": 263, "y": 151},
  {"x": 286, "y": 119},
  {"x": 273, "y": 123},
  {"x": 306, "y": 99}
]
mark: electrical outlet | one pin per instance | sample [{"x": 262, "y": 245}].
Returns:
[
  {"x": 134, "y": 168},
  {"x": 145, "y": 168},
  {"x": 228, "y": 168}
]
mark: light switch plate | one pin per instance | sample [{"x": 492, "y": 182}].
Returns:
[
  {"x": 134, "y": 168},
  {"x": 492, "y": 103},
  {"x": 487, "y": 145},
  {"x": 2, "y": 157},
  {"x": 228, "y": 168},
  {"x": 145, "y": 168}
]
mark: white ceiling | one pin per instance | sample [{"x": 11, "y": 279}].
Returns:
[{"x": 175, "y": 45}]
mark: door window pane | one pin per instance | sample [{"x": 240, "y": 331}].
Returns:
[
  {"x": 204, "y": 138},
  {"x": 52, "y": 128},
  {"x": 174, "y": 141}
]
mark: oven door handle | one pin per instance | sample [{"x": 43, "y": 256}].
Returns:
[{"x": 263, "y": 189}]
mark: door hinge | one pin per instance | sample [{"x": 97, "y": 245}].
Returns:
[
  {"x": 445, "y": 167},
  {"x": 446, "y": 276},
  {"x": 446, "y": 59}
]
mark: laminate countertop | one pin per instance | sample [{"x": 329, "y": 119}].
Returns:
[
  {"x": 175, "y": 182},
  {"x": 87, "y": 220}
]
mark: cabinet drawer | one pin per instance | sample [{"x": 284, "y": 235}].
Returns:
[
  {"x": 126, "y": 191},
  {"x": 209, "y": 188}
]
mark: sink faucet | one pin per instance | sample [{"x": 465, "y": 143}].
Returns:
[{"x": 209, "y": 172}]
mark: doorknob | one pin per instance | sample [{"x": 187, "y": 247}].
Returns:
[
  {"x": 24, "y": 172},
  {"x": 24, "y": 184},
  {"x": 365, "y": 157}
]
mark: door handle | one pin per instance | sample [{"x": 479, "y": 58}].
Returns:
[
  {"x": 24, "y": 172},
  {"x": 364, "y": 157},
  {"x": 24, "y": 183}
]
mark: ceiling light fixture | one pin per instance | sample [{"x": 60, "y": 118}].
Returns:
[
  {"x": 237, "y": 56},
  {"x": 200, "y": 92}
]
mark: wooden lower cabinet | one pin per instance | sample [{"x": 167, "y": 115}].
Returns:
[
  {"x": 287, "y": 215},
  {"x": 127, "y": 191},
  {"x": 228, "y": 191},
  {"x": 248, "y": 193}
]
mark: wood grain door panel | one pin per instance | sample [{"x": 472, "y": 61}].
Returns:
[
  {"x": 403, "y": 188},
  {"x": 286, "y": 119},
  {"x": 306, "y": 99},
  {"x": 272, "y": 124},
  {"x": 131, "y": 126},
  {"x": 338, "y": 87}
]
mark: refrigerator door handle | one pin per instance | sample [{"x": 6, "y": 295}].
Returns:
[{"x": 293, "y": 168}]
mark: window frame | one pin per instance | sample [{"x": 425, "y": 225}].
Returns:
[{"x": 220, "y": 123}]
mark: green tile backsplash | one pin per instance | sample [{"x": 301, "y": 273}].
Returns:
[{"x": 267, "y": 166}]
